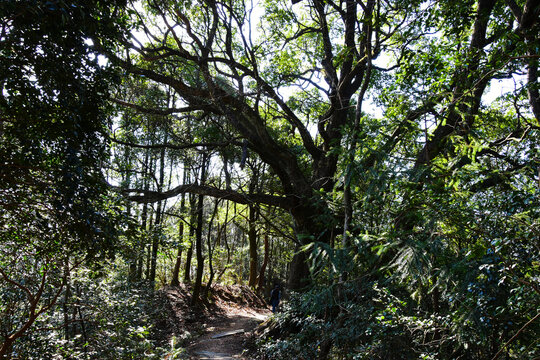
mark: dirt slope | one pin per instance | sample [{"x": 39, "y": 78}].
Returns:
[
  {"x": 219, "y": 328},
  {"x": 225, "y": 336}
]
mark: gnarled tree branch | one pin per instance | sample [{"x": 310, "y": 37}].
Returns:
[{"x": 153, "y": 196}]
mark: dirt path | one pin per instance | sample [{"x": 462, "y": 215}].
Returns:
[{"x": 224, "y": 336}]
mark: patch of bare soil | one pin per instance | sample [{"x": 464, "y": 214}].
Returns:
[
  {"x": 225, "y": 336},
  {"x": 218, "y": 329}
]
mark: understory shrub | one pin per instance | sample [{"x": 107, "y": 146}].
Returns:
[
  {"x": 108, "y": 318},
  {"x": 376, "y": 320}
]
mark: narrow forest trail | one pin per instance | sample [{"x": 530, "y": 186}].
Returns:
[{"x": 224, "y": 336}]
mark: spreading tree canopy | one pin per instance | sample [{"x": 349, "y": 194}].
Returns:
[
  {"x": 400, "y": 138},
  {"x": 325, "y": 92}
]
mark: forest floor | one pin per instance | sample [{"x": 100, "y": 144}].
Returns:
[{"x": 221, "y": 328}]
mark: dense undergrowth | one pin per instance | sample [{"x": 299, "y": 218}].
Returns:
[
  {"x": 107, "y": 319},
  {"x": 371, "y": 320},
  {"x": 460, "y": 283}
]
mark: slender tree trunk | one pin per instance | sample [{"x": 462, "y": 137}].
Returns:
[
  {"x": 151, "y": 224},
  {"x": 81, "y": 317},
  {"x": 148, "y": 246},
  {"x": 189, "y": 256},
  {"x": 211, "y": 249},
  {"x": 159, "y": 214},
  {"x": 252, "y": 239},
  {"x": 198, "y": 239},
  {"x": 192, "y": 220},
  {"x": 144, "y": 219},
  {"x": 67, "y": 295},
  {"x": 156, "y": 236},
  {"x": 222, "y": 238},
  {"x": 261, "y": 277},
  {"x": 132, "y": 275},
  {"x": 347, "y": 195},
  {"x": 271, "y": 263},
  {"x": 175, "y": 281}
]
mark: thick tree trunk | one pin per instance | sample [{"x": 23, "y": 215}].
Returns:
[
  {"x": 6, "y": 348},
  {"x": 298, "y": 271},
  {"x": 313, "y": 223}
]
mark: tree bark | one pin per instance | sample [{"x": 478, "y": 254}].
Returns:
[
  {"x": 144, "y": 219},
  {"x": 175, "y": 278},
  {"x": 195, "y": 299},
  {"x": 252, "y": 239},
  {"x": 192, "y": 225},
  {"x": 211, "y": 249},
  {"x": 261, "y": 277},
  {"x": 298, "y": 270}
]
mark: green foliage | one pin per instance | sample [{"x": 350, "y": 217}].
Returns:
[
  {"x": 114, "y": 321},
  {"x": 439, "y": 259},
  {"x": 53, "y": 121},
  {"x": 54, "y": 201}
]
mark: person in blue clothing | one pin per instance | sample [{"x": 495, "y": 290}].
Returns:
[{"x": 275, "y": 297}]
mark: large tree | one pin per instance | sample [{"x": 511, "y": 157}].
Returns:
[{"x": 292, "y": 82}]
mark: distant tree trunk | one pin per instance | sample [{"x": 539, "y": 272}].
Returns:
[
  {"x": 144, "y": 218},
  {"x": 81, "y": 317},
  {"x": 148, "y": 249},
  {"x": 211, "y": 249},
  {"x": 198, "y": 238},
  {"x": 156, "y": 236},
  {"x": 271, "y": 264},
  {"x": 192, "y": 220},
  {"x": 148, "y": 246},
  {"x": 175, "y": 281},
  {"x": 252, "y": 239},
  {"x": 132, "y": 275},
  {"x": 222, "y": 239},
  {"x": 65, "y": 306},
  {"x": 151, "y": 224},
  {"x": 261, "y": 277},
  {"x": 189, "y": 256}
]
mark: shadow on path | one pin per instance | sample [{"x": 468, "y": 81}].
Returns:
[{"x": 224, "y": 337}]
